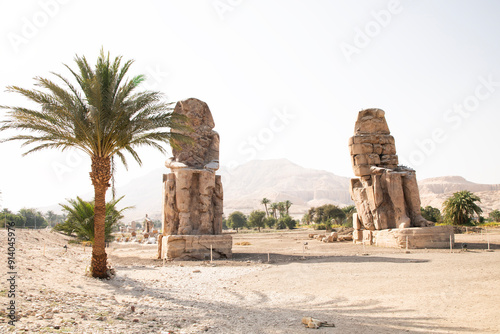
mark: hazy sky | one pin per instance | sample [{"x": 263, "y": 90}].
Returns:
[{"x": 283, "y": 79}]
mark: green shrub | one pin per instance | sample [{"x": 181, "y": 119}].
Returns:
[
  {"x": 288, "y": 222},
  {"x": 80, "y": 219},
  {"x": 271, "y": 222}
]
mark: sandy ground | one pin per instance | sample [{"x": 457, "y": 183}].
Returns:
[{"x": 359, "y": 289}]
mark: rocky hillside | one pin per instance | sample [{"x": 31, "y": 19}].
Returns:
[
  {"x": 279, "y": 180},
  {"x": 246, "y": 185},
  {"x": 435, "y": 191}
]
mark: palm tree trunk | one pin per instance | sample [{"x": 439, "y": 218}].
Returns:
[{"x": 100, "y": 175}]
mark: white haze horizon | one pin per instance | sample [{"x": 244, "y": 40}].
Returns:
[{"x": 282, "y": 79}]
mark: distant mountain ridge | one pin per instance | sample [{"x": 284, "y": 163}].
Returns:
[
  {"x": 434, "y": 191},
  {"x": 279, "y": 180}
]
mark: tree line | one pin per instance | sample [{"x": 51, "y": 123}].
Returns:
[
  {"x": 325, "y": 216},
  {"x": 275, "y": 216},
  {"x": 30, "y": 218},
  {"x": 461, "y": 208}
]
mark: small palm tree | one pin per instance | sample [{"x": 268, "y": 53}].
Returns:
[
  {"x": 349, "y": 211},
  {"x": 80, "y": 219},
  {"x": 281, "y": 208},
  {"x": 287, "y": 205},
  {"x": 274, "y": 208},
  {"x": 103, "y": 115},
  {"x": 266, "y": 201},
  {"x": 460, "y": 207}
]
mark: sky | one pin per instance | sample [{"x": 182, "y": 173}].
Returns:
[{"x": 283, "y": 79}]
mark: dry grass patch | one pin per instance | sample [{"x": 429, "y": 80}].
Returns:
[{"x": 243, "y": 243}]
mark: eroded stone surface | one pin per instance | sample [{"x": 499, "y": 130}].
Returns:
[
  {"x": 415, "y": 237},
  {"x": 196, "y": 247},
  {"x": 203, "y": 151},
  {"x": 192, "y": 192},
  {"x": 386, "y": 195}
]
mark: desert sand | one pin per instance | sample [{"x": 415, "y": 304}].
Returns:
[{"x": 359, "y": 289}]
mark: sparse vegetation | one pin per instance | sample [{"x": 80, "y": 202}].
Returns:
[
  {"x": 461, "y": 207},
  {"x": 80, "y": 219},
  {"x": 237, "y": 220},
  {"x": 243, "y": 243},
  {"x": 431, "y": 214},
  {"x": 494, "y": 215},
  {"x": 325, "y": 216},
  {"x": 257, "y": 219}
]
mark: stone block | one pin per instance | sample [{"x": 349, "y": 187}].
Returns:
[
  {"x": 357, "y": 236},
  {"x": 377, "y": 148},
  {"x": 356, "y": 224},
  {"x": 388, "y": 149},
  {"x": 367, "y": 237},
  {"x": 196, "y": 247},
  {"x": 373, "y": 159},
  {"x": 360, "y": 159},
  {"x": 418, "y": 237},
  {"x": 362, "y": 170},
  {"x": 386, "y": 139},
  {"x": 389, "y": 159},
  {"x": 361, "y": 148},
  {"x": 371, "y": 121}
]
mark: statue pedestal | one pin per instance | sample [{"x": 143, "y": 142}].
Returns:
[
  {"x": 196, "y": 247},
  {"x": 418, "y": 237}
]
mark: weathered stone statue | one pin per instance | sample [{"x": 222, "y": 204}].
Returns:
[
  {"x": 385, "y": 194},
  {"x": 148, "y": 225},
  {"x": 192, "y": 196}
]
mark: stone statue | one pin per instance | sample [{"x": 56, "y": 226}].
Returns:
[
  {"x": 203, "y": 151},
  {"x": 192, "y": 192},
  {"x": 148, "y": 225},
  {"x": 386, "y": 195}
]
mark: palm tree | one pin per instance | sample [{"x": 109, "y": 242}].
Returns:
[
  {"x": 460, "y": 207},
  {"x": 51, "y": 216},
  {"x": 349, "y": 211},
  {"x": 103, "y": 115},
  {"x": 80, "y": 218},
  {"x": 266, "y": 201},
  {"x": 287, "y": 205},
  {"x": 281, "y": 208},
  {"x": 274, "y": 208}
]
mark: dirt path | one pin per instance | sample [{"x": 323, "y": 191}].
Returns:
[{"x": 386, "y": 291}]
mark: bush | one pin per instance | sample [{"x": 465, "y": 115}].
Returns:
[
  {"x": 80, "y": 220},
  {"x": 280, "y": 224},
  {"x": 288, "y": 222},
  {"x": 490, "y": 224},
  {"x": 237, "y": 220},
  {"x": 271, "y": 222},
  {"x": 321, "y": 226}
]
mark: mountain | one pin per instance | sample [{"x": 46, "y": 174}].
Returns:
[
  {"x": 435, "y": 191},
  {"x": 245, "y": 186},
  {"x": 280, "y": 180}
]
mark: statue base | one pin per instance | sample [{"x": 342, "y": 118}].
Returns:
[
  {"x": 413, "y": 237},
  {"x": 195, "y": 247}
]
